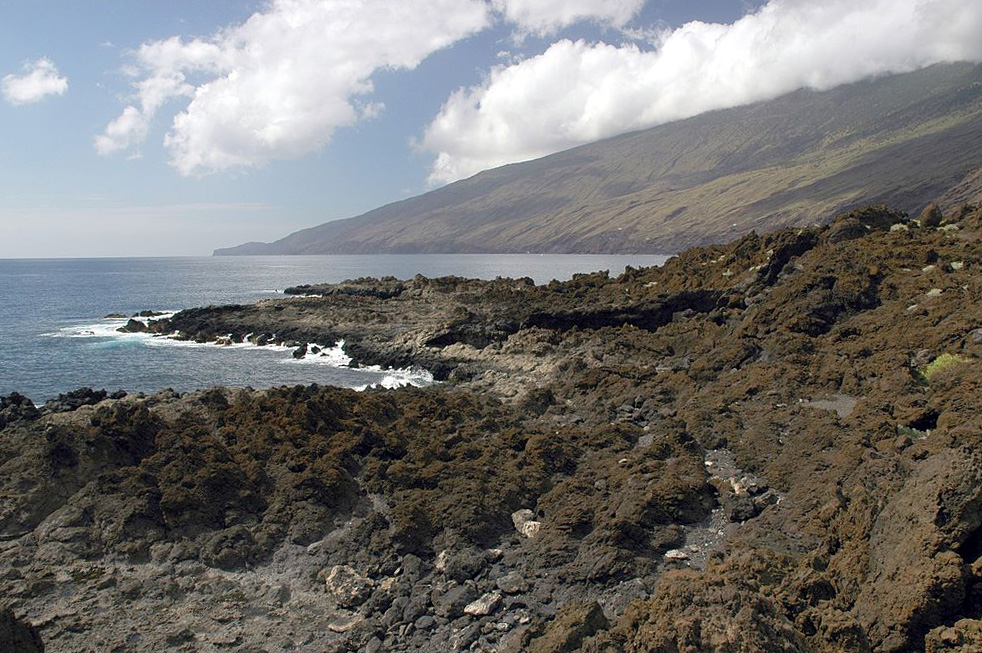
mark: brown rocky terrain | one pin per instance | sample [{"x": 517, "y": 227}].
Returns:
[{"x": 769, "y": 445}]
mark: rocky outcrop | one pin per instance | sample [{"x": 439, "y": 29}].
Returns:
[
  {"x": 919, "y": 576},
  {"x": 133, "y": 326},
  {"x": 75, "y": 399},
  {"x": 17, "y": 407},
  {"x": 767, "y": 445}
]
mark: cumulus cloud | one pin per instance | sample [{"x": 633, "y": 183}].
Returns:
[
  {"x": 280, "y": 84},
  {"x": 549, "y": 16},
  {"x": 39, "y": 80},
  {"x": 578, "y": 92}
]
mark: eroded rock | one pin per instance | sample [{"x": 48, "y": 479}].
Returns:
[{"x": 346, "y": 586}]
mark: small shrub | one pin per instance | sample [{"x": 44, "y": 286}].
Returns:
[{"x": 942, "y": 362}]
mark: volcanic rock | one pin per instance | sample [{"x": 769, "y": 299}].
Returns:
[
  {"x": 16, "y": 636},
  {"x": 755, "y": 447},
  {"x": 346, "y": 586},
  {"x": 931, "y": 216},
  {"x": 133, "y": 326}
]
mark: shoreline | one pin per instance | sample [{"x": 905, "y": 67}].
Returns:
[{"x": 755, "y": 437}]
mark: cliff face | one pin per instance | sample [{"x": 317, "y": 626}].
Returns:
[
  {"x": 795, "y": 161},
  {"x": 769, "y": 445}
]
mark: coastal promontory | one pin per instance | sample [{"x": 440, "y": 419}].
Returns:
[{"x": 766, "y": 445}]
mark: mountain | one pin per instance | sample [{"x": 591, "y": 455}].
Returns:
[{"x": 903, "y": 140}]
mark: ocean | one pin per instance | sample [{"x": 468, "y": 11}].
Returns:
[{"x": 55, "y": 336}]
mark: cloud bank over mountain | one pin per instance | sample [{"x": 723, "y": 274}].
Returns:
[
  {"x": 281, "y": 84},
  {"x": 39, "y": 80},
  {"x": 577, "y": 92}
]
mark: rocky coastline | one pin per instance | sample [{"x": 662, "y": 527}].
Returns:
[{"x": 767, "y": 445}]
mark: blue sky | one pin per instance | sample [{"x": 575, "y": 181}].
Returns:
[{"x": 144, "y": 128}]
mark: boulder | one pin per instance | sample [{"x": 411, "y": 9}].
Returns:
[
  {"x": 75, "y": 399},
  {"x": 232, "y": 548},
  {"x": 574, "y": 623},
  {"x": 512, "y": 583},
  {"x": 931, "y": 216},
  {"x": 860, "y": 222},
  {"x": 845, "y": 230},
  {"x": 451, "y": 604},
  {"x": 483, "y": 606},
  {"x": 346, "y": 586},
  {"x": 918, "y": 578},
  {"x": 524, "y": 524},
  {"x": 963, "y": 637},
  {"x": 133, "y": 326}
]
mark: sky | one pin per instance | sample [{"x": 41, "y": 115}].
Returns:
[{"x": 149, "y": 128}]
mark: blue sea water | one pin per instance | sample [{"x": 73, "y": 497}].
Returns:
[{"x": 54, "y": 336}]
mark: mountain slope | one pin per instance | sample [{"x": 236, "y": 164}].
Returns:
[{"x": 904, "y": 140}]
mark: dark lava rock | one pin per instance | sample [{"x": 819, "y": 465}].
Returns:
[
  {"x": 75, "y": 399},
  {"x": 573, "y": 623},
  {"x": 133, "y": 326},
  {"x": 846, "y": 229},
  {"x": 512, "y": 583},
  {"x": 918, "y": 575},
  {"x": 232, "y": 548},
  {"x": 931, "y": 216},
  {"x": 697, "y": 613},
  {"x": 385, "y": 288},
  {"x": 451, "y": 603},
  {"x": 627, "y": 416},
  {"x": 17, "y": 636},
  {"x": 17, "y": 407},
  {"x": 741, "y": 508}
]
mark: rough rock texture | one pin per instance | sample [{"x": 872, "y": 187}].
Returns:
[
  {"x": 17, "y": 636},
  {"x": 767, "y": 445}
]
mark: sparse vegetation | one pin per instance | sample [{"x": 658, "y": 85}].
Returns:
[{"x": 942, "y": 362}]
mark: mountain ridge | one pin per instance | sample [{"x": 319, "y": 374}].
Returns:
[{"x": 904, "y": 140}]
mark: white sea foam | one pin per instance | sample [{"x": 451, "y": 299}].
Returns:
[
  {"x": 398, "y": 378},
  {"x": 105, "y": 328},
  {"x": 390, "y": 378},
  {"x": 174, "y": 340},
  {"x": 414, "y": 376},
  {"x": 331, "y": 356}
]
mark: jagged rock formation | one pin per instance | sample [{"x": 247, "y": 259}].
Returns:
[{"x": 767, "y": 445}]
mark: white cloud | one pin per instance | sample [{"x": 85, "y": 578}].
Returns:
[
  {"x": 39, "y": 80},
  {"x": 129, "y": 129},
  {"x": 578, "y": 92},
  {"x": 280, "y": 84},
  {"x": 549, "y": 16}
]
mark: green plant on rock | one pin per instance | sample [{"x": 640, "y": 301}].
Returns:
[{"x": 942, "y": 362}]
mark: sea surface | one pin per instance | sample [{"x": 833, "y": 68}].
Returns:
[{"x": 55, "y": 336}]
